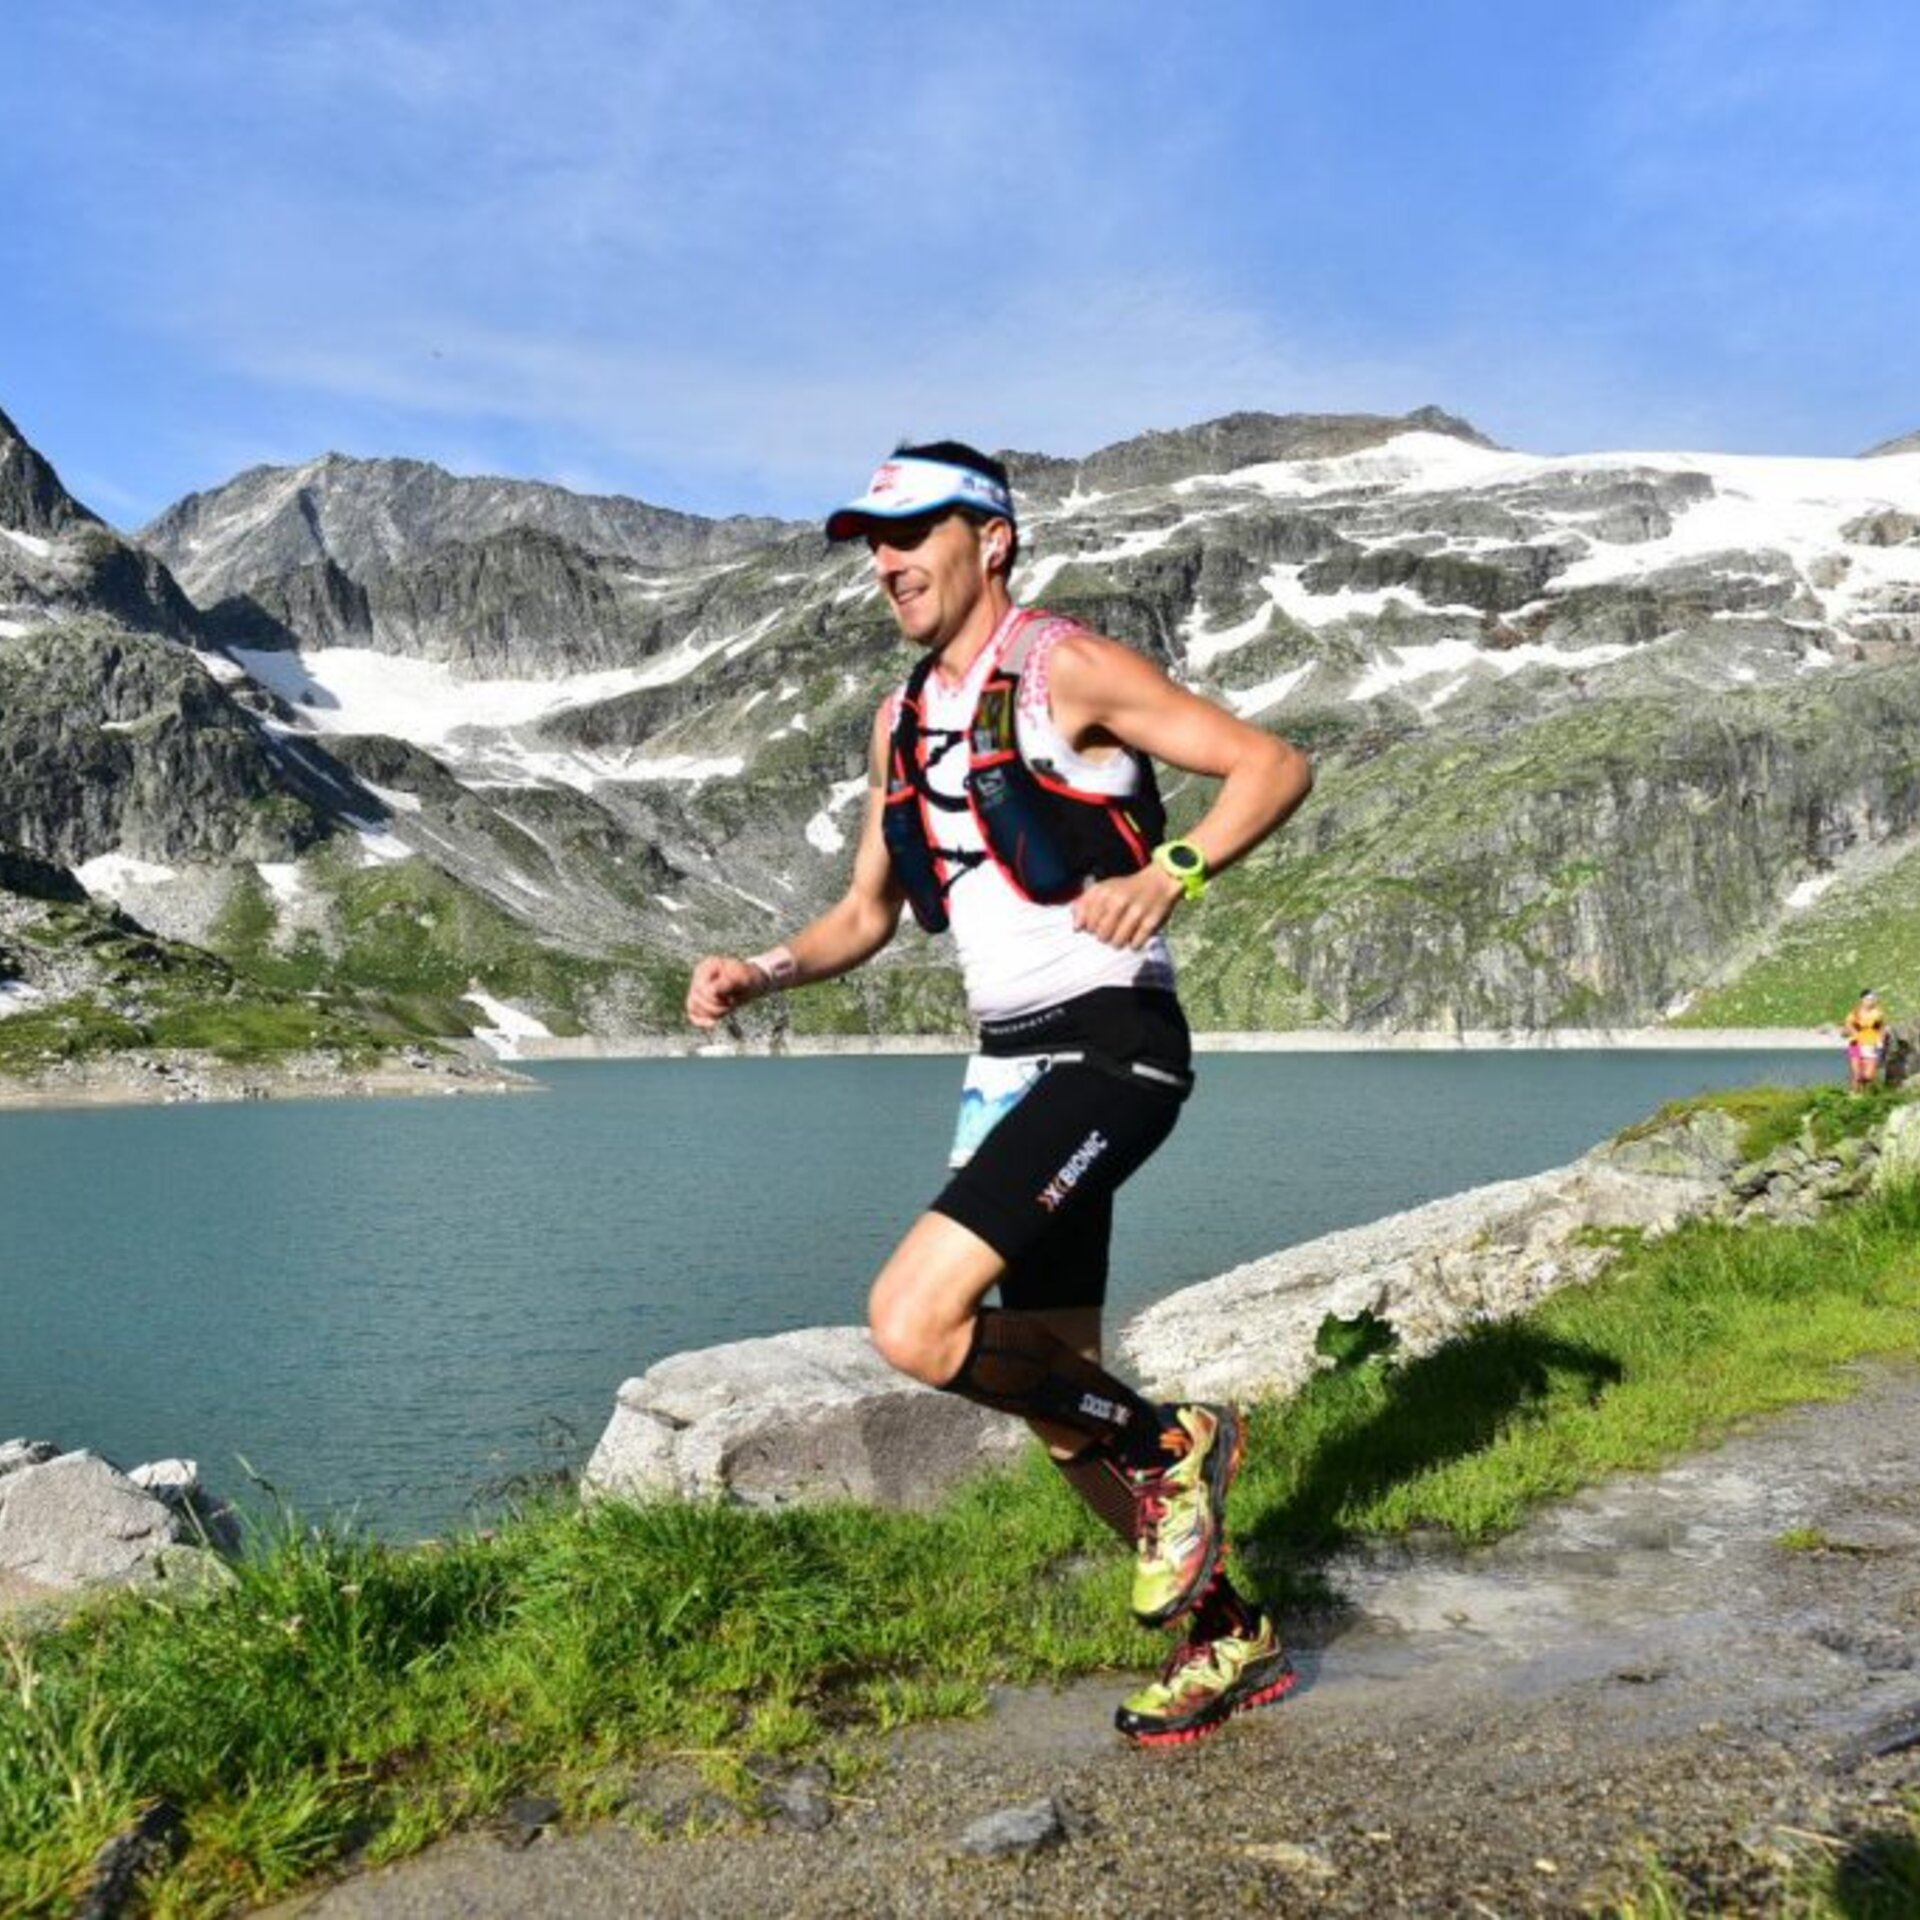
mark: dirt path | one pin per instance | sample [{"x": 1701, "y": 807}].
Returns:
[{"x": 1646, "y": 1670}]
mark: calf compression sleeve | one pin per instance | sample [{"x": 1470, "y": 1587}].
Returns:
[
  {"x": 1016, "y": 1366},
  {"x": 1102, "y": 1485}
]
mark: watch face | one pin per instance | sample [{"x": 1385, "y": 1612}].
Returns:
[{"x": 1187, "y": 859}]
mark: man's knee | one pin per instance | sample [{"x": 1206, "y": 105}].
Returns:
[
  {"x": 907, "y": 1340},
  {"x": 921, "y": 1312}
]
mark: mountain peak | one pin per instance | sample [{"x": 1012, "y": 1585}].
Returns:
[
  {"x": 32, "y": 500},
  {"x": 1218, "y": 446},
  {"x": 1906, "y": 443}
]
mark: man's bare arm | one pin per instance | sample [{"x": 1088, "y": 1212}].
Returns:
[
  {"x": 1103, "y": 692},
  {"x": 850, "y": 932}
]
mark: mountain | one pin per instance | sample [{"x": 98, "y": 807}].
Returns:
[
  {"x": 138, "y": 761},
  {"x": 1594, "y": 733},
  {"x": 496, "y": 576}
]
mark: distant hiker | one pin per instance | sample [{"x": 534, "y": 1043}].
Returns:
[
  {"x": 1011, "y": 796},
  {"x": 1865, "y": 1029}
]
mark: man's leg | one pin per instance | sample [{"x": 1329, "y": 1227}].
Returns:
[
  {"x": 1026, "y": 1213},
  {"x": 1230, "y": 1658},
  {"x": 1090, "y": 1467},
  {"x": 926, "y": 1319}
]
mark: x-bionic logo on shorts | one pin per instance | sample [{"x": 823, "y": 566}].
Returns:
[{"x": 1053, "y": 1196}]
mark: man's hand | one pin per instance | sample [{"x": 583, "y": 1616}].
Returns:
[
  {"x": 1129, "y": 911},
  {"x": 722, "y": 984}
]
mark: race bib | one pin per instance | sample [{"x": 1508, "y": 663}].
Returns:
[{"x": 993, "y": 1088}]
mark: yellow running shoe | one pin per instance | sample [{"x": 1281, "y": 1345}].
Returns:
[
  {"x": 1180, "y": 1514},
  {"x": 1205, "y": 1684}
]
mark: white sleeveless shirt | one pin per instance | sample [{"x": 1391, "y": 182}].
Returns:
[{"x": 1016, "y": 955}]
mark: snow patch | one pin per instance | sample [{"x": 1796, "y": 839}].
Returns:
[
  {"x": 17, "y": 997},
  {"x": 1808, "y": 891},
  {"x": 378, "y": 847},
  {"x": 685, "y": 766},
  {"x": 227, "y": 672},
  {"x": 1269, "y": 693},
  {"x": 507, "y": 1025},
  {"x": 394, "y": 799},
  {"x": 27, "y": 542},
  {"x": 111, "y": 873},
  {"x": 1407, "y": 665},
  {"x": 282, "y": 879},
  {"x": 355, "y": 690},
  {"x": 1206, "y": 644},
  {"x": 823, "y": 831}
]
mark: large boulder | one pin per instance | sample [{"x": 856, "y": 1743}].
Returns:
[
  {"x": 76, "y": 1519},
  {"x": 1899, "y": 1148},
  {"x": 799, "y": 1417},
  {"x": 1429, "y": 1273}
]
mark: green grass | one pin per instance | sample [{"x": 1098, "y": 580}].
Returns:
[
  {"x": 349, "y": 1697},
  {"x": 1687, "y": 1335},
  {"x": 1770, "y": 1117}
]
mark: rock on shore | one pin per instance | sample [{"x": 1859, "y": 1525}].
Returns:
[
  {"x": 813, "y": 1415},
  {"x": 1429, "y": 1273},
  {"x": 72, "y": 1519},
  {"x": 179, "y": 1076}
]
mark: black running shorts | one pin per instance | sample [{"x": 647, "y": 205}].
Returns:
[{"x": 1040, "y": 1188}]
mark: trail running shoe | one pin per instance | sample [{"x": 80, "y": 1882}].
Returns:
[
  {"x": 1205, "y": 1684},
  {"x": 1181, "y": 1514}
]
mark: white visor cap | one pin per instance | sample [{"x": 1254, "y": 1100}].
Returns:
[{"x": 906, "y": 486}]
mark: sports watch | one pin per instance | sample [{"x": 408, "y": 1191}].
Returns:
[{"x": 1186, "y": 863}]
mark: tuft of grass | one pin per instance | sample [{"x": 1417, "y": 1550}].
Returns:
[
  {"x": 1685, "y": 1336},
  {"x": 1868, "y": 1875},
  {"x": 1802, "y": 1540}
]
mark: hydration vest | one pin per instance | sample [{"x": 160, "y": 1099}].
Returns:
[{"x": 1048, "y": 838}]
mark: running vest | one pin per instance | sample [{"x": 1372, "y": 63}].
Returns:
[{"x": 1047, "y": 837}]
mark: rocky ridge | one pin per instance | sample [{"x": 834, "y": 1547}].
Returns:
[{"x": 1591, "y": 731}]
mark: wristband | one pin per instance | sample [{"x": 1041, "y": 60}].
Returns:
[
  {"x": 779, "y": 965},
  {"x": 1186, "y": 863}
]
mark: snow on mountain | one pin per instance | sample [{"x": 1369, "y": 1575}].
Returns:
[{"x": 633, "y": 731}]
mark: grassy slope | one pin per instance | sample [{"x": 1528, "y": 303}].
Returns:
[
  {"x": 343, "y": 1694},
  {"x": 1862, "y": 932}
]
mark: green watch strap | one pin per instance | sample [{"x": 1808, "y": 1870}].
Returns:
[{"x": 1186, "y": 863}]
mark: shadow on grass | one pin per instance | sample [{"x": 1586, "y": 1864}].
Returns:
[
  {"x": 1878, "y": 1878},
  {"x": 1419, "y": 1416}
]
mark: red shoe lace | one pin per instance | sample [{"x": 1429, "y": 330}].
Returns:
[
  {"x": 1187, "y": 1651},
  {"x": 1149, "y": 1510}
]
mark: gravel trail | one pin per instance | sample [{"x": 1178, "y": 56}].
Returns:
[{"x": 1646, "y": 1670}]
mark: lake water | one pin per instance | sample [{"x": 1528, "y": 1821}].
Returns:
[{"x": 381, "y": 1306}]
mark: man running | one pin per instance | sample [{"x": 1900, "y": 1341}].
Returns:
[{"x": 1013, "y": 800}]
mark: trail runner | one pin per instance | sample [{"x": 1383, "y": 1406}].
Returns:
[
  {"x": 1013, "y": 799},
  {"x": 1865, "y": 1031}
]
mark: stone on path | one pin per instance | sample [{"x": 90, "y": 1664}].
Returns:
[{"x": 1016, "y": 1830}]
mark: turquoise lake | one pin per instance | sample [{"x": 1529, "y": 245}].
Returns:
[{"x": 382, "y": 1307}]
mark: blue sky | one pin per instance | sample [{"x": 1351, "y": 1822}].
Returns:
[{"x": 720, "y": 256}]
